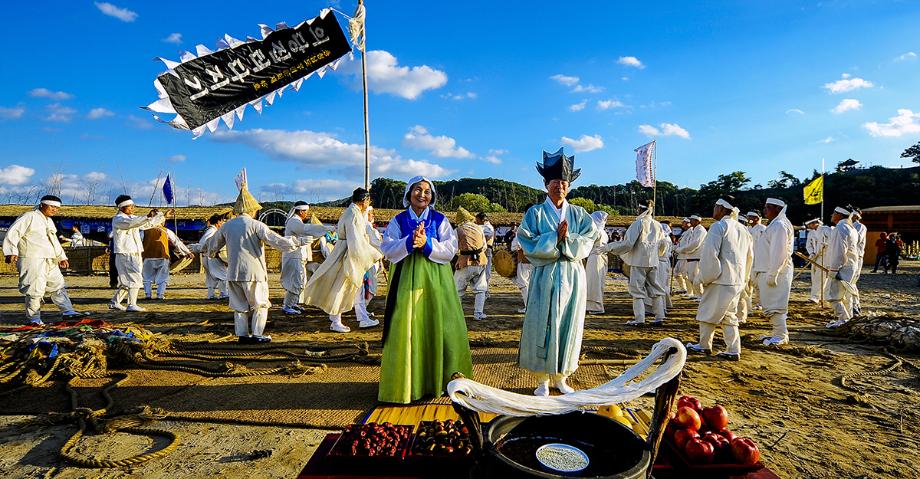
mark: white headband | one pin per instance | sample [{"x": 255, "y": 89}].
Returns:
[
  {"x": 774, "y": 201},
  {"x": 813, "y": 220},
  {"x": 724, "y": 203},
  {"x": 685, "y": 220},
  {"x": 125, "y": 203},
  {"x": 753, "y": 213},
  {"x": 695, "y": 217},
  {"x": 301, "y": 207},
  {"x": 51, "y": 203},
  {"x": 842, "y": 211}
]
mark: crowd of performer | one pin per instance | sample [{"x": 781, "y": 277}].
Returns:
[{"x": 561, "y": 271}]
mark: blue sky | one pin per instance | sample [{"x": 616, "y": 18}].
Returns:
[{"x": 464, "y": 89}]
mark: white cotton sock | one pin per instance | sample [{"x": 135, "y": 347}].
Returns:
[
  {"x": 120, "y": 295},
  {"x": 33, "y": 308},
  {"x": 659, "y": 308},
  {"x": 241, "y": 324},
  {"x": 639, "y": 310},
  {"x": 779, "y": 326},
  {"x": 707, "y": 331},
  {"x": 732, "y": 338},
  {"x": 62, "y": 300},
  {"x": 259, "y": 318},
  {"x": 132, "y": 296}
]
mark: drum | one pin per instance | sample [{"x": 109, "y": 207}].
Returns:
[{"x": 505, "y": 263}]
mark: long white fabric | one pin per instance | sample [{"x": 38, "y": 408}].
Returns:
[
  {"x": 816, "y": 246},
  {"x": 482, "y": 398},
  {"x": 340, "y": 278},
  {"x": 596, "y": 272},
  {"x": 522, "y": 276}
]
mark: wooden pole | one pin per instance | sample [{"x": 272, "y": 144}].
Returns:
[{"x": 367, "y": 134}]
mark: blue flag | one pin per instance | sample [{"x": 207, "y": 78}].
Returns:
[{"x": 168, "y": 191}]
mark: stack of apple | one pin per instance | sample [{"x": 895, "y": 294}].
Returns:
[{"x": 703, "y": 436}]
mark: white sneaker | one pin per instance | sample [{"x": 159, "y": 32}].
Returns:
[
  {"x": 563, "y": 387},
  {"x": 36, "y": 322},
  {"x": 775, "y": 342},
  {"x": 635, "y": 322},
  {"x": 542, "y": 389},
  {"x": 522, "y": 310},
  {"x": 814, "y": 300},
  {"x": 479, "y": 316},
  {"x": 117, "y": 306},
  {"x": 339, "y": 328},
  {"x": 368, "y": 324},
  {"x": 161, "y": 298},
  {"x": 836, "y": 324},
  {"x": 133, "y": 308}
]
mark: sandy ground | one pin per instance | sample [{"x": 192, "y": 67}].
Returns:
[{"x": 790, "y": 400}]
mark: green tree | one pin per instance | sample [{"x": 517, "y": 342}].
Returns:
[
  {"x": 846, "y": 165},
  {"x": 585, "y": 203},
  {"x": 913, "y": 153},
  {"x": 786, "y": 180},
  {"x": 475, "y": 203}
]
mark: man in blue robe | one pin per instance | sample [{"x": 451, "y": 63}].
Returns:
[{"x": 555, "y": 236}]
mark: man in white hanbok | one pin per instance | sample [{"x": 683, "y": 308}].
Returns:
[
  {"x": 31, "y": 242},
  {"x": 772, "y": 270},
  {"x": 680, "y": 266},
  {"x": 860, "y": 254},
  {"x": 158, "y": 243},
  {"x": 596, "y": 267},
  {"x": 129, "y": 248},
  {"x": 247, "y": 275},
  {"x": 482, "y": 219},
  {"x": 472, "y": 263},
  {"x": 665, "y": 247},
  {"x": 815, "y": 245},
  {"x": 842, "y": 258},
  {"x": 639, "y": 250},
  {"x": 690, "y": 250},
  {"x": 337, "y": 285},
  {"x": 215, "y": 268},
  {"x": 725, "y": 263},
  {"x": 294, "y": 263}
]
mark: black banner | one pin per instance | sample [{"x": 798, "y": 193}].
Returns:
[{"x": 212, "y": 85}]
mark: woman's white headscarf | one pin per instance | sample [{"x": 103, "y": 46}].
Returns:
[
  {"x": 600, "y": 218},
  {"x": 411, "y": 183}
]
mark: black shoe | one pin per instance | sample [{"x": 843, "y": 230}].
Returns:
[
  {"x": 696, "y": 349},
  {"x": 728, "y": 356}
]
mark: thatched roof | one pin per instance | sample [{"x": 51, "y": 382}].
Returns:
[{"x": 325, "y": 214}]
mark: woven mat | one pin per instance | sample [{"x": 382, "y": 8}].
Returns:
[{"x": 344, "y": 394}]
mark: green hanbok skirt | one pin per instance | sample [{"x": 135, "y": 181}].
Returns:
[{"x": 425, "y": 332}]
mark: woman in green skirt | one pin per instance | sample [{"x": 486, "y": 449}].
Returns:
[{"x": 424, "y": 331}]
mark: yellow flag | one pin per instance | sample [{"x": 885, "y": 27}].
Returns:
[{"x": 814, "y": 191}]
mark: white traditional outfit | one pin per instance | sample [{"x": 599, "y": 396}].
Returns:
[
  {"x": 842, "y": 259},
  {"x": 772, "y": 272},
  {"x": 294, "y": 264},
  {"x": 336, "y": 285},
  {"x": 33, "y": 239},
  {"x": 746, "y": 303},
  {"x": 664, "y": 264},
  {"x": 555, "y": 317},
  {"x": 680, "y": 266},
  {"x": 523, "y": 272},
  {"x": 247, "y": 275},
  {"x": 816, "y": 245},
  {"x": 639, "y": 249},
  {"x": 215, "y": 268},
  {"x": 157, "y": 242},
  {"x": 489, "y": 231},
  {"x": 596, "y": 267},
  {"x": 472, "y": 263},
  {"x": 725, "y": 263},
  {"x": 689, "y": 251},
  {"x": 129, "y": 248},
  {"x": 860, "y": 254}
]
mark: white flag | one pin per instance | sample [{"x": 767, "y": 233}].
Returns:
[{"x": 645, "y": 169}]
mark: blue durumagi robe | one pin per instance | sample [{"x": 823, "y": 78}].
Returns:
[{"x": 555, "y": 318}]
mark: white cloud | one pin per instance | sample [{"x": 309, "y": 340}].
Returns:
[
  {"x": 666, "y": 129},
  {"x": 51, "y": 95},
  {"x": 97, "y": 113},
  {"x": 177, "y": 158},
  {"x": 847, "y": 83},
  {"x": 385, "y": 75},
  {"x": 440, "y": 146},
  {"x": 579, "y": 106},
  {"x": 587, "y": 89},
  {"x": 95, "y": 176},
  {"x": 565, "y": 79},
  {"x": 139, "y": 123},
  {"x": 827, "y": 141},
  {"x": 14, "y": 175},
  {"x": 174, "y": 38},
  {"x": 609, "y": 104},
  {"x": 906, "y": 57},
  {"x": 847, "y": 104},
  {"x": 584, "y": 143},
  {"x": 11, "y": 113},
  {"x": 313, "y": 190},
  {"x": 906, "y": 123},
  {"x": 122, "y": 14},
  {"x": 60, "y": 113},
  {"x": 324, "y": 150},
  {"x": 493, "y": 156},
  {"x": 794, "y": 111},
  {"x": 470, "y": 95},
  {"x": 631, "y": 62}
]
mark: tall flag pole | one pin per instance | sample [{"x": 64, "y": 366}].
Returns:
[{"x": 357, "y": 30}]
